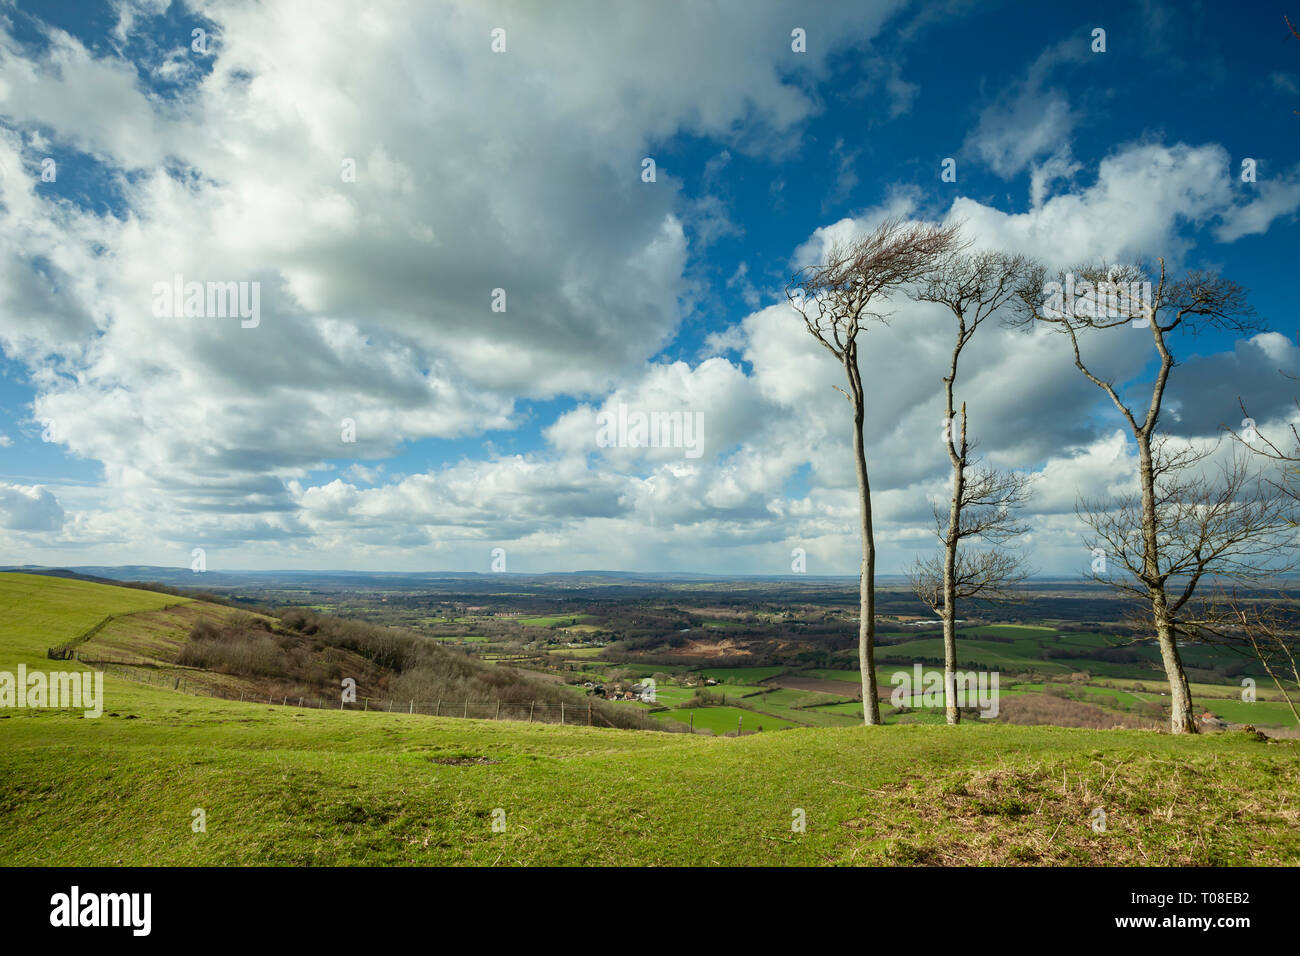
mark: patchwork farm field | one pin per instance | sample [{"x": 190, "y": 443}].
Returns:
[
  {"x": 1023, "y": 653},
  {"x": 685, "y": 635},
  {"x": 1107, "y": 685}
]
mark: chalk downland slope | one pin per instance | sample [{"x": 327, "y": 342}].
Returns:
[{"x": 290, "y": 787}]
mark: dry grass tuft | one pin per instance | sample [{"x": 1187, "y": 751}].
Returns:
[{"x": 1157, "y": 811}]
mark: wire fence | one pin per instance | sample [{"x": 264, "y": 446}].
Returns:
[{"x": 68, "y": 649}]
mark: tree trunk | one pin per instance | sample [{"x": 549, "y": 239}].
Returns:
[
  {"x": 1181, "y": 720},
  {"x": 951, "y": 540},
  {"x": 867, "y": 583},
  {"x": 951, "y": 712}
]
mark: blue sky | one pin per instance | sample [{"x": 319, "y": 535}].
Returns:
[{"x": 521, "y": 170}]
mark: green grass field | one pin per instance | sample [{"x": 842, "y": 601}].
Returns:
[
  {"x": 1017, "y": 656},
  {"x": 554, "y": 621},
  {"x": 38, "y": 612},
  {"x": 1006, "y": 630},
  {"x": 286, "y": 787},
  {"x": 734, "y": 691},
  {"x": 740, "y": 675},
  {"x": 1147, "y": 688},
  {"x": 1105, "y": 696},
  {"x": 1021, "y": 648},
  {"x": 797, "y": 706},
  {"x": 834, "y": 673},
  {"x": 1223, "y": 700},
  {"x": 670, "y": 695},
  {"x": 797, "y": 698},
  {"x": 725, "y": 720},
  {"x": 1260, "y": 713}
]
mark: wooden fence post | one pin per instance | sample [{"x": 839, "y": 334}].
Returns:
[
  {"x": 412, "y": 710},
  {"x": 692, "y": 721},
  {"x": 740, "y": 725},
  {"x": 561, "y": 713},
  {"x": 588, "y": 713},
  {"x": 367, "y": 707},
  {"x": 530, "y": 711},
  {"x": 498, "y": 715},
  {"x": 437, "y": 707}
]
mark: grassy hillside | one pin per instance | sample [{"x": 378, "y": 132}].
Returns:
[
  {"x": 38, "y": 612},
  {"x": 206, "y": 648},
  {"x": 283, "y": 786}
]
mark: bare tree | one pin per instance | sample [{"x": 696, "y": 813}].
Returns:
[
  {"x": 1225, "y": 525},
  {"x": 1266, "y": 631},
  {"x": 973, "y": 286},
  {"x": 1295, "y": 34},
  {"x": 1159, "y": 534},
  {"x": 1287, "y": 478},
  {"x": 837, "y": 299}
]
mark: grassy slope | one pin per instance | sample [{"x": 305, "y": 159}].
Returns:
[
  {"x": 283, "y": 786},
  {"x": 37, "y": 612}
]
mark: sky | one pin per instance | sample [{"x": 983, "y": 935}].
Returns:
[{"x": 470, "y": 235}]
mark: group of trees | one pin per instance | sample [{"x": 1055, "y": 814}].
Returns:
[
  {"x": 1190, "y": 531},
  {"x": 305, "y": 653}
]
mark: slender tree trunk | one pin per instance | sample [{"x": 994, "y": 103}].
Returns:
[
  {"x": 1180, "y": 695},
  {"x": 951, "y": 540},
  {"x": 867, "y": 583},
  {"x": 950, "y": 600}
]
